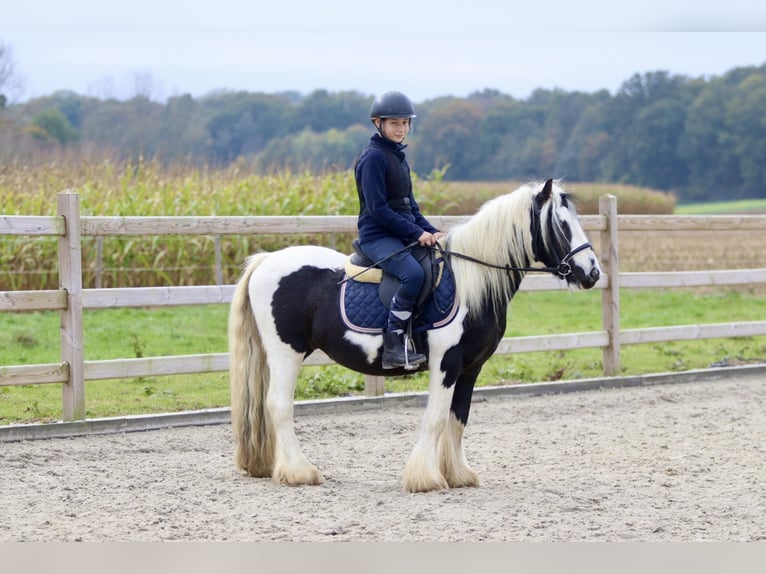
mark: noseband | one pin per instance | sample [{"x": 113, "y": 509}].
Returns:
[{"x": 564, "y": 269}]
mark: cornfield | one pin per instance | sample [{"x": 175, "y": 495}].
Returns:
[{"x": 109, "y": 188}]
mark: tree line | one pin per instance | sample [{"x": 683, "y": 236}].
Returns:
[{"x": 701, "y": 138}]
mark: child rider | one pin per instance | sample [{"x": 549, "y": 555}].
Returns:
[{"x": 390, "y": 219}]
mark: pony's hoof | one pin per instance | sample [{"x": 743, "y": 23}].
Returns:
[
  {"x": 425, "y": 484},
  {"x": 309, "y": 476},
  {"x": 466, "y": 478}
]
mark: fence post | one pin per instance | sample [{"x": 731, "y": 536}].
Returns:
[
  {"x": 610, "y": 296},
  {"x": 70, "y": 279},
  {"x": 218, "y": 261},
  {"x": 99, "y": 260},
  {"x": 374, "y": 386}
]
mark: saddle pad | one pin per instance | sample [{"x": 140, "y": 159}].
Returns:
[
  {"x": 363, "y": 274},
  {"x": 362, "y": 310}
]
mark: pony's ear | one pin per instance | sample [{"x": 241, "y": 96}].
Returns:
[{"x": 545, "y": 194}]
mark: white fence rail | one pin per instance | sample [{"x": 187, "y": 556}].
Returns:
[{"x": 71, "y": 299}]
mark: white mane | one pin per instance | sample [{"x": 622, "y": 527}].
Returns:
[{"x": 500, "y": 234}]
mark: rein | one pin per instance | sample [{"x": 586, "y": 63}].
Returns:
[{"x": 563, "y": 269}]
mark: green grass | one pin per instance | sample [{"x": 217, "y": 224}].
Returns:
[
  {"x": 723, "y": 207},
  {"x": 32, "y": 338}
]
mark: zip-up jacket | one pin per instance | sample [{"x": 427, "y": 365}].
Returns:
[{"x": 387, "y": 206}]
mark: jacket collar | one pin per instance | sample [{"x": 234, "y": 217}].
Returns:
[{"x": 380, "y": 141}]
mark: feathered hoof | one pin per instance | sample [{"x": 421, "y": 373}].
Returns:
[
  {"x": 309, "y": 476},
  {"x": 256, "y": 468},
  {"x": 424, "y": 483},
  {"x": 465, "y": 478},
  {"x": 258, "y": 472}
]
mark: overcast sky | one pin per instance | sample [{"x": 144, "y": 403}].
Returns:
[{"x": 428, "y": 48}]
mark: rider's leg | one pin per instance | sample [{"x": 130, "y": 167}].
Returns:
[{"x": 404, "y": 266}]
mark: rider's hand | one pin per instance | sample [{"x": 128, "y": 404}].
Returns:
[{"x": 426, "y": 238}]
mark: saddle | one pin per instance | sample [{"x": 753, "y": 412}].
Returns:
[
  {"x": 366, "y": 293},
  {"x": 361, "y": 268}
]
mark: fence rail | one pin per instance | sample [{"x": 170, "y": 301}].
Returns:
[{"x": 71, "y": 299}]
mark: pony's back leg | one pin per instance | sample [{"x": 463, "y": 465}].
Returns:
[
  {"x": 290, "y": 464},
  {"x": 263, "y": 372}
]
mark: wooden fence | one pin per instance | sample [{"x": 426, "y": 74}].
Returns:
[{"x": 71, "y": 299}]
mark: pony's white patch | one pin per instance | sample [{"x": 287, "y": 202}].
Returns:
[
  {"x": 369, "y": 344},
  {"x": 276, "y": 266},
  {"x": 441, "y": 340},
  {"x": 293, "y": 258}
]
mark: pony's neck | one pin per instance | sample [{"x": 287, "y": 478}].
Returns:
[{"x": 498, "y": 234}]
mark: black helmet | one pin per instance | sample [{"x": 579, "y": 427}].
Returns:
[{"x": 392, "y": 105}]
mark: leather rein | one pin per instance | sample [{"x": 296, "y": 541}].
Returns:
[{"x": 563, "y": 269}]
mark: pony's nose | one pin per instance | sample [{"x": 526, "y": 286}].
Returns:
[{"x": 595, "y": 274}]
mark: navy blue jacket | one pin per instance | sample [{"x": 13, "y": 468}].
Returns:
[{"x": 384, "y": 184}]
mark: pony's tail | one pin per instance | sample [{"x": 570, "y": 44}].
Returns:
[{"x": 249, "y": 382}]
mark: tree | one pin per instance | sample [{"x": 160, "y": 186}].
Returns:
[
  {"x": 747, "y": 124},
  {"x": 581, "y": 157},
  {"x": 242, "y": 124},
  {"x": 321, "y": 111},
  {"x": 52, "y": 125},
  {"x": 184, "y": 131},
  {"x": 333, "y": 150},
  {"x": 509, "y": 133},
  {"x": 706, "y": 145},
  {"x": 450, "y": 136},
  {"x": 10, "y": 81},
  {"x": 652, "y": 145}
]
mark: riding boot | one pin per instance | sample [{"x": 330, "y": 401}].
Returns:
[{"x": 396, "y": 351}]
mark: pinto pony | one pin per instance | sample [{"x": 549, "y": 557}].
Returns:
[{"x": 286, "y": 305}]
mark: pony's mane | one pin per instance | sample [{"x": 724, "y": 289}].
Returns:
[{"x": 500, "y": 233}]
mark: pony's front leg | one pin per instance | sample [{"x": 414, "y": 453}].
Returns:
[
  {"x": 451, "y": 452},
  {"x": 423, "y": 471},
  {"x": 455, "y": 466},
  {"x": 290, "y": 464}
]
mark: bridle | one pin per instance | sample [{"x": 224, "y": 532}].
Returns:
[{"x": 562, "y": 270}]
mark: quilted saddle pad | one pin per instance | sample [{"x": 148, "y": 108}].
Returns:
[{"x": 363, "y": 311}]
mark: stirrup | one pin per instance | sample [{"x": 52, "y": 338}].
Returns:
[
  {"x": 408, "y": 366},
  {"x": 399, "y": 356}
]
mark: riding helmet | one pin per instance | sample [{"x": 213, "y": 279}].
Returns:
[{"x": 392, "y": 105}]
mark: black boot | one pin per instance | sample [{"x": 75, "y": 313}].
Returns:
[
  {"x": 395, "y": 348},
  {"x": 396, "y": 354}
]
